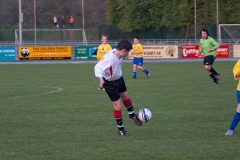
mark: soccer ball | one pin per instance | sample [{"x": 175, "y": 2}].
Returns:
[{"x": 144, "y": 115}]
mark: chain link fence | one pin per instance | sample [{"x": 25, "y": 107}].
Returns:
[{"x": 94, "y": 33}]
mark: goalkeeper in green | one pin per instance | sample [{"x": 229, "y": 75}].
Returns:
[{"x": 208, "y": 47}]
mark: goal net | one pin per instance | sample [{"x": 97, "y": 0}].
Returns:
[
  {"x": 51, "y": 36},
  {"x": 229, "y": 32}
]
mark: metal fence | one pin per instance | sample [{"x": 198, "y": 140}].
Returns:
[
  {"x": 178, "y": 42},
  {"x": 115, "y": 42},
  {"x": 114, "y": 33}
]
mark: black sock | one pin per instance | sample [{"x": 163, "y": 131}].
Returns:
[
  {"x": 213, "y": 77},
  {"x": 130, "y": 111},
  {"x": 213, "y": 71},
  {"x": 120, "y": 123}
]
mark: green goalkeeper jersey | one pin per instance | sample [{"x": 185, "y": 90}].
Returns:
[{"x": 208, "y": 43}]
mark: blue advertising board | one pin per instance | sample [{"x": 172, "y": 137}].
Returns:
[{"x": 7, "y": 53}]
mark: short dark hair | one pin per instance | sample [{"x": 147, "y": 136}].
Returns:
[
  {"x": 124, "y": 44},
  {"x": 204, "y": 30},
  {"x": 136, "y": 37}
]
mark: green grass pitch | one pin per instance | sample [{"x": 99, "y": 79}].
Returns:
[{"x": 54, "y": 111}]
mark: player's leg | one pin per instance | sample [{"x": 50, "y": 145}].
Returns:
[
  {"x": 134, "y": 68},
  {"x": 128, "y": 102},
  {"x": 236, "y": 117},
  {"x": 140, "y": 67},
  {"x": 111, "y": 89},
  {"x": 217, "y": 74},
  {"x": 117, "y": 112},
  {"x": 208, "y": 60}
]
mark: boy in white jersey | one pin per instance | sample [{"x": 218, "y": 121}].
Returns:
[{"x": 109, "y": 72}]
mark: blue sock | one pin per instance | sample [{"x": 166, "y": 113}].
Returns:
[
  {"x": 235, "y": 121},
  {"x": 134, "y": 74},
  {"x": 145, "y": 71}
]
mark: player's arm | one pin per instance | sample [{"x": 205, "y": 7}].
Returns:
[
  {"x": 100, "y": 67},
  {"x": 131, "y": 53},
  {"x": 215, "y": 45},
  {"x": 101, "y": 82},
  {"x": 236, "y": 70},
  {"x": 139, "y": 49},
  {"x": 98, "y": 53},
  {"x": 200, "y": 48}
]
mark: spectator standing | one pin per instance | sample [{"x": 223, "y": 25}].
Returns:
[
  {"x": 71, "y": 21},
  {"x": 55, "y": 22},
  {"x": 62, "y": 22}
]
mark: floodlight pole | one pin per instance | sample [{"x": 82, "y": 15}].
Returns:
[
  {"x": 195, "y": 19},
  {"x": 20, "y": 22},
  {"x": 35, "y": 22},
  {"x": 217, "y": 23},
  {"x": 83, "y": 20}
]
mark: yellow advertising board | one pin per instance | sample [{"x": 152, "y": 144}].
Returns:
[
  {"x": 158, "y": 52},
  {"x": 44, "y": 52},
  {"x": 236, "y": 51}
]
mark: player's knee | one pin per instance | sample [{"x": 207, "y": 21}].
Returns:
[
  {"x": 207, "y": 67},
  {"x": 117, "y": 105},
  {"x": 124, "y": 96},
  {"x": 140, "y": 67},
  {"x": 238, "y": 108},
  {"x": 134, "y": 66}
]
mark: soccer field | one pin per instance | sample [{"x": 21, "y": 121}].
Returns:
[{"x": 54, "y": 111}]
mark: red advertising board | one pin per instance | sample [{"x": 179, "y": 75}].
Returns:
[{"x": 192, "y": 51}]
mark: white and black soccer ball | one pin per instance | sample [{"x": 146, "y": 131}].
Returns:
[
  {"x": 144, "y": 115},
  {"x": 25, "y": 52}
]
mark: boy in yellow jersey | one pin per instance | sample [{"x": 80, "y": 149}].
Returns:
[
  {"x": 138, "y": 58},
  {"x": 102, "y": 50},
  {"x": 236, "y": 117}
]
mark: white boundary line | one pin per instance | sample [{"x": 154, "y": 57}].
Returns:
[{"x": 58, "y": 89}]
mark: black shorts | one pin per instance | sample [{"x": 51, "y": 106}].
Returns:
[
  {"x": 208, "y": 60},
  {"x": 114, "y": 88}
]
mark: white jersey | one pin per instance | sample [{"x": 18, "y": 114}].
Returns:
[{"x": 110, "y": 68}]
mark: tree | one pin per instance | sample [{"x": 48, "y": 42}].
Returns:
[
  {"x": 129, "y": 15},
  {"x": 9, "y": 13}
]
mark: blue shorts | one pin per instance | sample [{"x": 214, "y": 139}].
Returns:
[
  {"x": 138, "y": 61},
  {"x": 238, "y": 96}
]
